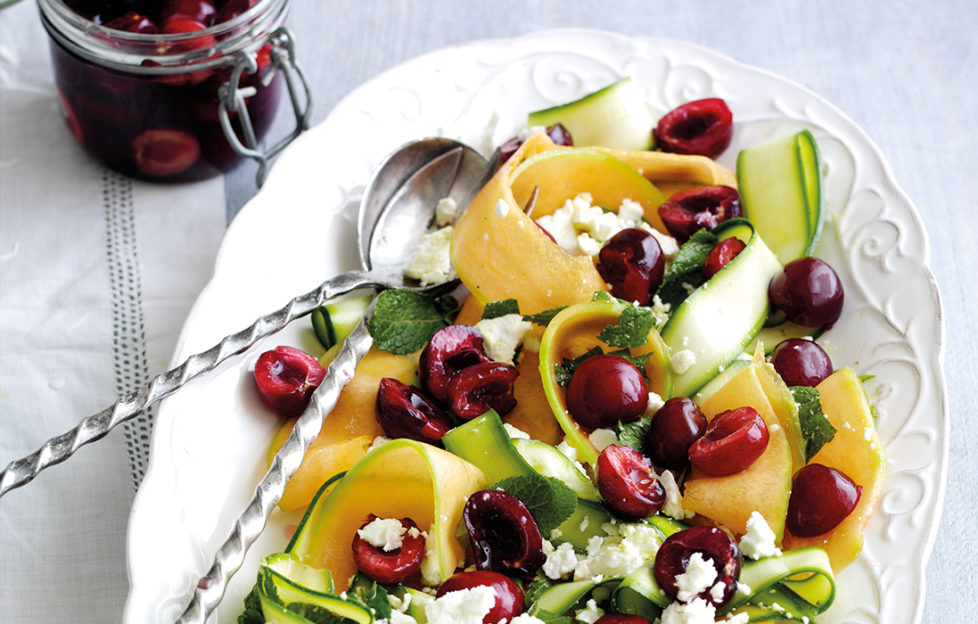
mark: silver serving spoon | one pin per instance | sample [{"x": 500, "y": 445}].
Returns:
[{"x": 399, "y": 200}]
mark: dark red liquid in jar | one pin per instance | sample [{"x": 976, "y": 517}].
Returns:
[{"x": 163, "y": 127}]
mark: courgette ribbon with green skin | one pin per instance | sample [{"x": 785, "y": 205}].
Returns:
[{"x": 799, "y": 584}]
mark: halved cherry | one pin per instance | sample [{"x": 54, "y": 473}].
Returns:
[
  {"x": 627, "y": 483},
  {"x": 479, "y": 388},
  {"x": 509, "y": 596},
  {"x": 233, "y": 8},
  {"x": 133, "y": 22},
  {"x": 450, "y": 350},
  {"x": 733, "y": 441},
  {"x": 504, "y": 535},
  {"x": 687, "y": 211},
  {"x": 702, "y": 127},
  {"x": 632, "y": 262},
  {"x": 286, "y": 379},
  {"x": 673, "y": 429},
  {"x": 390, "y": 566},
  {"x": 821, "y": 498},
  {"x": 201, "y": 10},
  {"x": 673, "y": 557},
  {"x": 721, "y": 255},
  {"x": 165, "y": 152},
  {"x": 404, "y": 412}
]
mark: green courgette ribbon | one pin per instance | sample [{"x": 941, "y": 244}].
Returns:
[{"x": 799, "y": 584}]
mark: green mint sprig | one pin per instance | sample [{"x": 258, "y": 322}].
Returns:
[
  {"x": 815, "y": 427},
  {"x": 549, "y": 500},
  {"x": 405, "y": 320}
]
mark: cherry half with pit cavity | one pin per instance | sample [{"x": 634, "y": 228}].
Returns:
[
  {"x": 479, "y": 388},
  {"x": 673, "y": 557},
  {"x": 404, "y": 412},
  {"x": 509, "y": 597},
  {"x": 633, "y": 264},
  {"x": 808, "y": 291},
  {"x": 286, "y": 378},
  {"x": 732, "y": 442},
  {"x": 557, "y": 133},
  {"x": 821, "y": 498},
  {"x": 606, "y": 389},
  {"x": 721, "y": 255},
  {"x": 673, "y": 429},
  {"x": 801, "y": 362},
  {"x": 627, "y": 483},
  {"x": 708, "y": 206},
  {"x": 390, "y": 566},
  {"x": 165, "y": 152},
  {"x": 450, "y": 350},
  {"x": 702, "y": 127},
  {"x": 504, "y": 536}
]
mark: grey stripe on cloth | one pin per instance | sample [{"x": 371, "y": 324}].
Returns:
[{"x": 128, "y": 328}]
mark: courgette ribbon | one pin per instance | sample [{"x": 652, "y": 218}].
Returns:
[{"x": 796, "y": 585}]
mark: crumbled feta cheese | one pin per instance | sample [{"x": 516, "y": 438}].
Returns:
[
  {"x": 591, "y": 612},
  {"x": 431, "y": 568},
  {"x": 445, "y": 211},
  {"x": 699, "y": 576},
  {"x": 501, "y": 336},
  {"x": 673, "y": 506},
  {"x": 759, "y": 540},
  {"x": 689, "y": 288},
  {"x": 740, "y": 618},
  {"x": 397, "y": 617},
  {"x": 432, "y": 264},
  {"x": 603, "y": 438},
  {"x": 556, "y": 534},
  {"x": 698, "y": 611},
  {"x": 625, "y": 548},
  {"x": 743, "y": 588},
  {"x": 378, "y": 441},
  {"x": 385, "y": 533},
  {"x": 655, "y": 402},
  {"x": 560, "y": 225},
  {"x": 464, "y": 606},
  {"x": 569, "y": 451},
  {"x": 513, "y": 432},
  {"x": 560, "y": 561},
  {"x": 631, "y": 212},
  {"x": 682, "y": 361},
  {"x": 669, "y": 245},
  {"x": 660, "y": 310},
  {"x": 717, "y": 591},
  {"x": 526, "y": 618},
  {"x": 588, "y": 245},
  {"x": 502, "y": 208}
]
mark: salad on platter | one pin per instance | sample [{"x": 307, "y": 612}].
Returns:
[{"x": 623, "y": 416}]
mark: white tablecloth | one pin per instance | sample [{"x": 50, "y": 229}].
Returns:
[{"x": 97, "y": 271}]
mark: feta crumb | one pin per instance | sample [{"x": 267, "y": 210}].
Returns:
[
  {"x": 624, "y": 549},
  {"x": 698, "y": 577},
  {"x": 513, "y": 432},
  {"x": 743, "y": 588},
  {"x": 673, "y": 506},
  {"x": 398, "y": 617},
  {"x": 590, "y": 614},
  {"x": 759, "y": 540},
  {"x": 655, "y": 403},
  {"x": 556, "y": 534},
  {"x": 431, "y": 568},
  {"x": 502, "y": 208},
  {"x": 432, "y": 263},
  {"x": 669, "y": 245},
  {"x": 740, "y": 618},
  {"x": 385, "y": 533},
  {"x": 584, "y": 523},
  {"x": 630, "y": 212},
  {"x": 682, "y": 361},
  {"x": 569, "y": 451},
  {"x": 561, "y": 561},
  {"x": 526, "y": 618},
  {"x": 716, "y": 592},
  {"x": 868, "y": 434},
  {"x": 660, "y": 310},
  {"x": 603, "y": 438},
  {"x": 587, "y": 244},
  {"x": 501, "y": 336},
  {"x": 445, "y": 211},
  {"x": 689, "y": 288},
  {"x": 698, "y": 611},
  {"x": 464, "y": 606},
  {"x": 378, "y": 441}
]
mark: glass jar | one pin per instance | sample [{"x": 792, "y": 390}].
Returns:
[{"x": 172, "y": 105}]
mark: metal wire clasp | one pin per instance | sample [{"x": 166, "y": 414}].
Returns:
[{"x": 232, "y": 99}]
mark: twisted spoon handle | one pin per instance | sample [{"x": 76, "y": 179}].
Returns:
[
  {"x": 92, "y": 428},
  {"x": 210, "y": 590}
]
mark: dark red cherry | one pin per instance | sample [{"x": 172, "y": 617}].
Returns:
[
  {"x": 808, "y": 291},
  {"x": 702, "y": 127},
  {"x": 687, "y": 211},
  {"x": 479, "y": 388},
  {"x": 509, "y": 597},
  {"x": 673, "y": 557},
  {"x": 557, "y": 133},
  {"x": 390, "y": 566},
  {"x": 725, "y": 251},
  {"x": 606, "y": 389},
  {"x": 801, "y": 362},
  {"x": 165, "y": 152},
  {"x": 286, "y": 378},
  {"x": 627, "y": 483},
  {"x": 450, "y": 350},
  {"x": 632, "y": 262},
  {"x": 621, "y": 618},
  {"x": 201, "y": 10},
  {"x": 404, "y": 412},
  {"x": 821, "y": 498},
  {"x": 674, "y": 427},
  {"x": 732, "y": 442},
  {"x": 233, "y": 8},
  {"x": 504, "y": 536},
  {"x": 133, "y": 22}
]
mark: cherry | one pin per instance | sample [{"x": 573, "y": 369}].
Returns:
[
  {"x": 557, "y": 133},
  {"x": 390, "y": 566},
  {"x": 286, "y": 378},
  {"x": 702, "y": 127},
  {"x": 71, "y": 118},
  {"x": 801, "y": 362},
  {"x": 821, "y": 498},
  {"x": 732, "y": 442},
  {"x": 479, "y": 388},
  {"x": 674, "y": 427},
  {"x": 687, "y": 211},
  {"x": 133, "y": 22},
  {"x": 450, "y": 350},
  {"x": 404, "y": 412},
  {"x": 504, "y": 535},
  {"x": 606, "y": 389},
  {"x": 509, "y": 596},
  {"x": 621, "y": 618},
  {"x": 201, "y": 10},
  {"x": 673, "y": 556},
  {"x": 627, "y": 483},
  {"x": 164, "y": 151},
  {"x": 808, "y": 291},
  {"x": 725, "y": 251},
  {"x": 632, "y": 262},
  {"x": 233, "y": 8}
]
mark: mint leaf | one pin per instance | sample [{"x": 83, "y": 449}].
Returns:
[
  {"x": 543, "y": 318},
  {"x": 405, "y": 320},
  {"x": 815, "y": 427},
  {"x": 537, "y": 585},
  {"x": 495, "y": 309},
  {"x": 372, "y": 595},
  {"x": 602, "y": 295},
  {"x": 549, "y": 500},
  {"x": 314, "y": 613},
  {"x": 634, "y": 433},
  {"x": 565, "y": 370},
  {"x": 639, "y": 361},
  {"x": 686, "y": 268},
  {"x": 252, "y": 609},
  {"x": 632, "y": 329}
]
